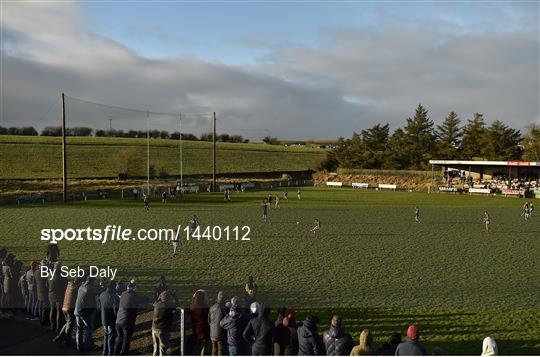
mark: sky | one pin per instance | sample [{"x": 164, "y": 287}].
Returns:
[{"x": 304, "y": 70}]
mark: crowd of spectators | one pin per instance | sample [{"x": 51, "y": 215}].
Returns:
[
  {"x": 497, "y": 182},
  {"x": 235, "y": 326}
]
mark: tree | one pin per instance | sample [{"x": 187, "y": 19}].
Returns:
[
  {"x": 270, "y": 140},
  {"x": 531, "y": 143},
  {"x": 52, "y": 131},
  {"x": 502, "y": 142},
  {"x": 374, "y": 144},
  {"x": 420, "y": 143},
  {"x": 449, "y": 135},
  {"x": 473, "y": 137},
  {"x": 396, "y": 157}
]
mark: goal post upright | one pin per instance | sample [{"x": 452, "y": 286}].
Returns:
[
  {"x": 214, "y": 155},
  {"x": 64, "y": 157},
  {"x": 148, "y": 153}
]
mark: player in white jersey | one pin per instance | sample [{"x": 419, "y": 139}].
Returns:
[
  {"x": 487, "y": 221},
  {"x": 417, "y": 214},
  {"x": 316, "y": 227},
  {"x": 277, "y": 202}
]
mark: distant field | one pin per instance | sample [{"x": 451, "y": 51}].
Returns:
[
  {"x": 371, "y": 262},
  {"x": 27, "y": 157}
]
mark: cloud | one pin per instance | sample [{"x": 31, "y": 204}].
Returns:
[{"x": 352, "y": 79}]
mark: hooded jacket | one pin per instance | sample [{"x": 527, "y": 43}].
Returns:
[
  {"x": 128, "y": 307},
  {"x": 108, "y": 303},
  {"x": 337, "y": 342},
  {"x": 489, "y": 347},
  {"x": 308, "y": 340},
  {"x": 410, "y": 348},
  {"x": 260, "y": 333},
  {"x": 216, "y": 313},
  {"x": 86, "y": 302},
  {"x": 235, "y": 326},
  {"x": 364, "y": 348}
]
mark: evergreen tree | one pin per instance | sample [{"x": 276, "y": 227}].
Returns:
[
  {"x": 531, "y": 143},
  {"x": 375, "y": 141},
  {"x": 396, "y": 157},
  {"x": 474, "y": 132},
  {"x": 420, "y": 144},
  {"x": 502, "y": 142},
  {"x": 449, "y": 135}
]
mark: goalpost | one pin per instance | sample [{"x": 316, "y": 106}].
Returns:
[{"x": 81, "y": 117}]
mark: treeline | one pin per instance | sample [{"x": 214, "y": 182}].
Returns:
[
  {"x": 412, "y": 146},
  {"x": 85, "y": 131}
]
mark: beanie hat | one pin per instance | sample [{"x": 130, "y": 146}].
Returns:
[{"x": 413, "y": 332}]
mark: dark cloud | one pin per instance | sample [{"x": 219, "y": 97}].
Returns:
[{"x": 353, "y": 80}]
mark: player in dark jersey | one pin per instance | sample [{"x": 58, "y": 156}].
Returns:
[{"x": 264, "y": 207}]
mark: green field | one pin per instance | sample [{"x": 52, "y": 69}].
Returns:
[
  {"x": 370, "y": 262},
  {"x": 29, "y": 157}
]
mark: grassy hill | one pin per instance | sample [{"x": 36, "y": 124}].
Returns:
[{"x": 32, "y": 157}]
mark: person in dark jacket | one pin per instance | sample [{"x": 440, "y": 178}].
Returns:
[
  {"x": 108, "y": 304},
  {"x": 162, "y": 322},
  {"x": 286, "y": 337},
  {"x": 42, "y": 288},
  {"x": 336, "y": 341},
  {"x": 3, "y": 253},
  {"x": 235, "y": 323},
  {"x": 308, "y": 339},
  {"x": 23, "y": 287},
  {"x": 389, "y": 348},
  {"x": 259, "y": 332},
  {"x": 218, "y": 335},
  {"x": 85, "y": 309},
  {"x": 53, "y": 252},
  {"x": 198, "y": 310},
  {"x": 68, "y": 308},
  {"x": 411, "y": 347},
  {"x": 130, "y": 303},
  {"x": 57, "y": 289}
]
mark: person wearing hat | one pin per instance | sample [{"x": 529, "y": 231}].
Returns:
[
  {"x": 218, "y": 335},
  {"x": 162, "y": 322},
  {"x": 235, "y": 323},
  {"x": 411, "y": 347}
]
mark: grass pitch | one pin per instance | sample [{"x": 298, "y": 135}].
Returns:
[{"x": 371, "y": 262}]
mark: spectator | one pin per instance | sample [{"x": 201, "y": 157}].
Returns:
[
  {"x": 57, "y": 289},
  {"x": 32, "y": 290},
  {"x": 8, "y": 284},
  {"x": 259, "y": 332},
  {"x": 161, "y": 286},
  {"x": 162, "y": 322},
  {"x": 3, "y": 253},
  {"x": 108, "y": 304},
  {"x": 23, "y": 287},
  {"x": 336, "y": 341},
  {"x": 280, "y": 315},
  {"x": 489, "y": 347},
  {"x": 411, "y": 347},
  {"x": 19, "y": 301},
  {"x": 254, "y": 309},
  {"x": 53, "y": 252},
  {"x": 250, "y": 291},
  {"x": 218, "y": 335},
  {"x": 198, "y": 310},
  {"x": 308, "y": 340},
  {"x": 364, "y": 348},
  {"x": 42, "y": 295},
  {"x": 389, "y": 348},
  {"x": 68, "y": 308},
  {"x": 120, "y": 288},
  {"x": 85, "y": 309},
  {"x": 286, "y": 337},
  {"x": 235, "y": 323},
  {"x": 130, "y": 302}
]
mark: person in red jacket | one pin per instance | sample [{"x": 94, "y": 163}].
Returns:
[{"x": 198, "y": 310}]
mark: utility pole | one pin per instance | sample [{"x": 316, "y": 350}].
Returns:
[
  {"x": 148, "y": 153},
  {"x": 181, "y": 155},
  {"x": 64, "y": 157},
  {"x": 214, "y": 156}
]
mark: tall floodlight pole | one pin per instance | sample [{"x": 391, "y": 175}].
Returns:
[
  {"x": 148, "y": 153},
  {"x": 214, "y": 156},
  {"x": 64, "y": 157},
  {"x": 181, "y": 155}
]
